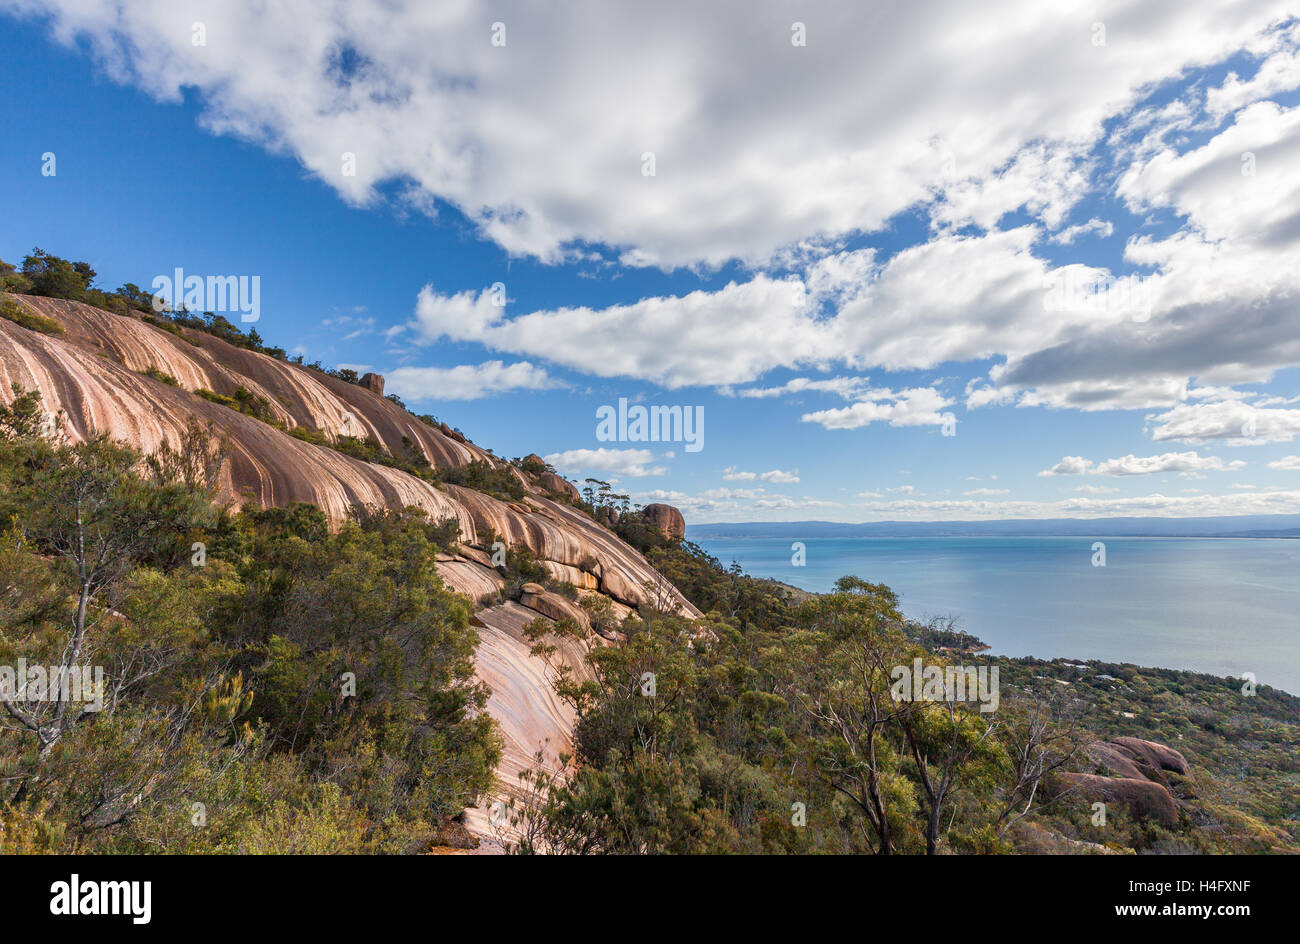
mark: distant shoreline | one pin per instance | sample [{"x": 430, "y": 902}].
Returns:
[
  {"x": 1236, "y": 526},
  {"x": 1164, "y": 600},
  {"x": 1045, "y": 534}
]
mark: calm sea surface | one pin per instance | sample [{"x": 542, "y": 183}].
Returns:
[{"x": 1219, "y": 605}]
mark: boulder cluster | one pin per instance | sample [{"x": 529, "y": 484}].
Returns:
[{"x": 1146, "y": 777}]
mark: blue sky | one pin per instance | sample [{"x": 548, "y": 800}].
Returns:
[{"x": 838, "y": 280}]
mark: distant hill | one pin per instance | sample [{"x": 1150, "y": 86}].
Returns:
[{"x": 1236, "y": 526}]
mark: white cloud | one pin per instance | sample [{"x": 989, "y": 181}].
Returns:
[
  {"x": 1181, "y": 462},
  {"x": 1047, "y": 180},
  {"x": 913, "y": 311},
  {"x": 1287, "y": 463},
  {"x": 1232, "y": 422},
  {"x": 761, "y": 156},
  {"x": 1153, "y": 505},
  {"x": 466, "y": 381},
  {"x": 633, "y": 463},
  {"x": 1103, "y": 228},
  {"x": 1096, "y": 490},
  {"x": 918, "y": 406},
  {"x": 738, "y": 119},
  {"x": 719, "y": 505},
  {"x": 848, "y": 388},
  {"x": 986, "y": 492},
  {"x": 732, "y": 335},
  {"x": 1167, "y": 462},
  {"x": 776, "y": 476},
  {"x": 1070, "y": 465},
  {"x": 1278, "y": 71}
]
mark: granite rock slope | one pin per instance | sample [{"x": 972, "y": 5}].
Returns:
[
  {"x": 95, "y": 378},
  {"x": 1148, "y": 778}
]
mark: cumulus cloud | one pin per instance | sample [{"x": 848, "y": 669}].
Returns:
[
  {"x": 1218, "y": 306},
  {"x": 1233, "y": 422},
  {"x": 1070, "y": 465},
  {"x": 1287, "y": 463},
  {"x": 760, "y": 156},
  {"x": 918, "y": 406},
  {"x": 732, "y": 335},
  {"x": 426, "y": 101},
  {"x": 1275, "y": 502},
  {"x": 466, "y": 381},
  {"x": 1181, "y": 462},
  {"x": 1102, "y": 228},
  {"x": 732, "y": 474},
  {"x": 632, "y": 463},
  {"x": 913, "y": 311},
  {"x": 725, "y": 503},
  {"x": 775, "y": 476}
]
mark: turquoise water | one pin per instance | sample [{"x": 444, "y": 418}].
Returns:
[{"x": 1219, "y": 605}]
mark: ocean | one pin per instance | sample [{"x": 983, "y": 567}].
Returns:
[{"x": 1220, "y": 605}]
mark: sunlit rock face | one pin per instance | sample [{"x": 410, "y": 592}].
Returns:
[
  {"x": 93, "y": 377},
  {"x": 1149, "y": 777},
  {"x": 667, "y": 519}
]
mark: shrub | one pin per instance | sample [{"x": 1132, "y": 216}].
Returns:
[
  {"x": 160, "y": 376},
  {"x": 19, "y": 315},
  {"x": 214, "y": 397},
  {"x": 480, "y": 476}
]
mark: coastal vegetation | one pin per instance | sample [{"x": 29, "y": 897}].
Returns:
[
  {"x": 772, "y": 729},
  {"x": 270, "y": 685},
  {"x": 276, "y": 684}
]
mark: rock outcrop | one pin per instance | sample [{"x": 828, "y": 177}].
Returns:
[
  {"x": 533, "y": 719},
  {"x": 141, "y": 383},
  {"x": 94, "y": 376},
  {"x": 667, "y": 520},
  {"x": 553, "y": 606},
  {"x": 1152, "y": 758},
  {"x": 557, "y": 483},
  {"x": 1142, "y": 780},
  {"x": 1144, "y": 799}
]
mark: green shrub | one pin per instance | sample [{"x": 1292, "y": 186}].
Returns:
[
  {"x": 161, "y": 376},
  {"x": 242, "y": 705},
  {"x": 244, "y": 401},
  {"x": 499, "y": 482},
  {"x": 207, "y": 394},
  {"x": 11, "y": 310}
]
